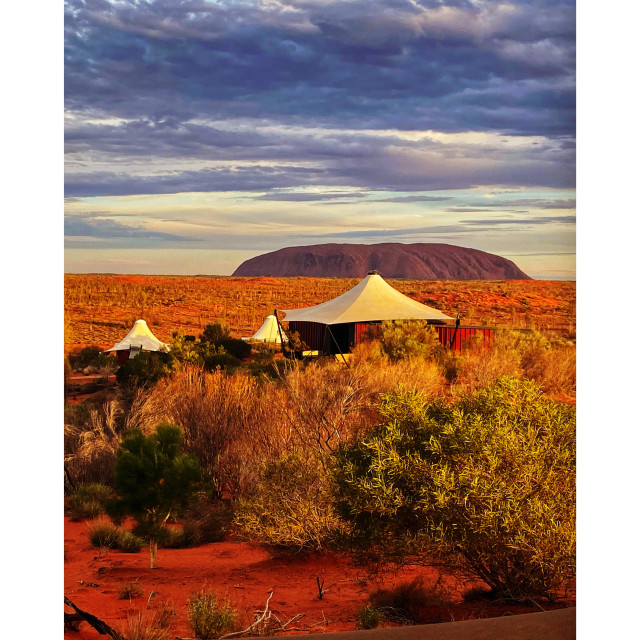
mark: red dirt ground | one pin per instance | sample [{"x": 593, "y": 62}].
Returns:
[{"x": 245, "y": 573}]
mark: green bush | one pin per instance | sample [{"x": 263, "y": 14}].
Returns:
[
  {"x": 409, "y": 339},
  {"x": 185, "y": 350},
  {"x": 486, "y": 486},
  {"x": 104, "y": 535},
  {"x": 186, "y": 536},
  {"x": 236, "y": 348},
  {"x": 146, "y": 368},
  {"x": 153, "y": 479},
  {"x": 222, "y": 360},
  {"x": 292, "y": 507},
  {"x": 91, "y": 357},
  {"x": 129, "y": 543},
  {"x": 215, "y": 333},
  {"x": 264, "y": 354},
  {"x": 87, "y": 501},
  {"x": 369, "y": 617},
  {"x": 210, "y": 616}
]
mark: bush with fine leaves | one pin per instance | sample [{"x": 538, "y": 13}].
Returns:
[
  {"x": 292, "y": 507},
  {"x": 485, "y": 486}
]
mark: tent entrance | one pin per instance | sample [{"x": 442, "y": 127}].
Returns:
[{"x": 339, "y": 338}]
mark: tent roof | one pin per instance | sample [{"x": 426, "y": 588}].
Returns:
[
  {"x": 140, "y": 336},
  {"x": 268, "y": 332},
  {"x": 370, "y": 300}
]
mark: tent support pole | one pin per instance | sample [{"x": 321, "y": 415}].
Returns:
[
  {"x": 453, "y": 337},
  {"x": 280, "y": 330},
  {"x": 337, "y": 345}
]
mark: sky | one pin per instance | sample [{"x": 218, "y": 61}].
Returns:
[{"x": 200, "y": 133}]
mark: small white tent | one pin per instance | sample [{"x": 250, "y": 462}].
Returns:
[
  {"x": 138, "y": 339},
  {"x": 268, "y": 332}
]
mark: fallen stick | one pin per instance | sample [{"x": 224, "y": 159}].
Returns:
[
  {"x": 101, "y": 627},
  {"x": 266, "y": 613}
]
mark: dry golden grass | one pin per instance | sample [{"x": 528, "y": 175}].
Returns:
[{"x": 100, "y": 309}]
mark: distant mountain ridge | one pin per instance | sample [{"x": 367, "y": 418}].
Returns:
[{"x": 419, "y": 261}]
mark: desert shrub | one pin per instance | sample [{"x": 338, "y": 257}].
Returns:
[
  {"x": 91, "y": 357},
  {"x": 529, "y": 354},
  {"x": 185, "y": 350},
  {"x": 90, "y": 445},
  {"x": 215, "y": 333},
  {"x": 146, "y": 368},
  {"x": 292, "y": 507},
  {"x": 268, "y": 371},
  {"x": 409, "y": 339},
  {"x": 87, "y": 501},
  {"x": 142, "y": 626},
  {"x": 369, "y": 617},
  {"x": 486, "y": 486},
  {"x": 211, "y": 518},
  {"x": 77, "y": 414},
  {"x": 130, "y": 590},
  {"x": 480, "y": 367},
  {"x": 417, "y": 374},
  {"x": 103, "y": 534},
  {"x": 230, "y": 423},
  {"x": 153, "y": 479},
  {"x": 210, "y": 616},
  {"x": 325, "y": 402},
  {"x": 182, "y": 538},
  {"x": 221, "y": 361},
  {"x": 236, "y": 348},
  {"x": 128, "y": 542},
  {"x": 264, "y": 354},
  {"x": 164, "y": 615},
  {"x": 406, "y": 602}
]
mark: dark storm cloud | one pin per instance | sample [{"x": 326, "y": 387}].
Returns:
[
  {"x": 383, "y": 64},
  {"x": 352, "y": 60}
]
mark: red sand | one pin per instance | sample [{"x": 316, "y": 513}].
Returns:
[{"x": 245, "y": 573}]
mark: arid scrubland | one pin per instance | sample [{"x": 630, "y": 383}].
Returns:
[
  {"x": 101, "y": 308},
  {"x": 409, "y": 453}
]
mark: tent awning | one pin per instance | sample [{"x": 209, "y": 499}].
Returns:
[{"x": 370, "y": 300}]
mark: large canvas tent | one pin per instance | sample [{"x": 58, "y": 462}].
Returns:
[
  {"x": 268, "y": 332},
  {"x": 139, "y": 338},
  {"x": 337, "y": 325}
]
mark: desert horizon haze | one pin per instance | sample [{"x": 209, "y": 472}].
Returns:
[{"x": 202, "y": 134}]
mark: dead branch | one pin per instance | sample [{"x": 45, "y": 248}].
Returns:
[
  {"x": 266, "y": 614},
  {"x": 101, "y": 627}
]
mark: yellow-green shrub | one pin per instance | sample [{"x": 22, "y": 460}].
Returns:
[{"x": 486, "y": 486}]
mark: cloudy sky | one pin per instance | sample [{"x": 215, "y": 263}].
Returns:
[{"x": 199, "y": 133}]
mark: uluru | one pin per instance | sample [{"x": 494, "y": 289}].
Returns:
[{"x": 419, "y": 261}]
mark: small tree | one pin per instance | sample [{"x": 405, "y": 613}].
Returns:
[
  {"x": 153, "y": 479},
  {"x": 486, "y": 487}
]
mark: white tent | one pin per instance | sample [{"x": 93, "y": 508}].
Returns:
[
  {"x": 139, "y": 338},
  {"x": 268, "y": 332},
  {"x": 370, "y": 300}
]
